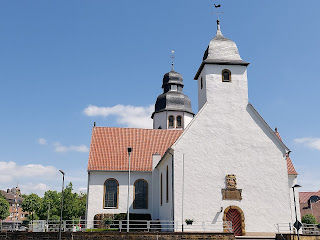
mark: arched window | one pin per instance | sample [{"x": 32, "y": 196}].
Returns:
[
  {"x": 171, "y": 121},
  {"x": 140, "y": 194},
  {"x": 226, "y": 75},
  {"x": 111, "y": 193},
  {"x": 161, "y": 189},
  {"x": 179, "y": 121},
  {"x": 167, "y": 185}
]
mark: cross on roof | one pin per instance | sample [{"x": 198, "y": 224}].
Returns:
[
  {"x": 217, "y": 12},
  {"x": 172, "y": 57}
]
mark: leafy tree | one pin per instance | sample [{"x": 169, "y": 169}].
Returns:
[
  {"x": 50, "y": 201},
  {"x": 74, "y": 205},
  {"x": 31, "y": 204},
  {"x": 309, "y": 219},
  {"x": 4, "y": 208}
]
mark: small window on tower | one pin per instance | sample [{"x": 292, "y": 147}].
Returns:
[
  {"x": 201, "y": 83},
  {"x": 226, "y": 75},
  {"x": 179, "y": 121},
  {"x": 171, "y": 121},
  {"x": 173, "y": 87}
]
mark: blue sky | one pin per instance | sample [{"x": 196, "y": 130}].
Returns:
[{"x": 57, "y": 58}]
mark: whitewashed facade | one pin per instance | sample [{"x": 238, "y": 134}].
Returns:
[{"x": 226, "y": 137}]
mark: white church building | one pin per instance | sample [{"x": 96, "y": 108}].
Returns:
[{"x": 222, "y": 164}]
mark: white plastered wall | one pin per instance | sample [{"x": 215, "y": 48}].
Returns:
[
  {"x": 227, "y": 137},
  {"x": 96, "y": 192},
  {"x": 161, "y": 119},
  {"x": 166, "y": 208}
]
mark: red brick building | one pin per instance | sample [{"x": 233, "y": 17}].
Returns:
[
  {"x": 310, "y": 204},
  {"x": 13, "y": 197}
]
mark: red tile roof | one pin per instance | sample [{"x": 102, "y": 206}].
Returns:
[
  {"x": 291, "y": 169},
  {"x": 108, "y": 149},
  {"x": 304, "y": 196}
]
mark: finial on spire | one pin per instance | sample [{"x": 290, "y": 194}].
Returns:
[
  {"x": 172, "y": 57},
  {"x": 217, "y": 12}
]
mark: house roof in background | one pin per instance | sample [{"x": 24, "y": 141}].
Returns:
[{"x": 304, "y": 196}]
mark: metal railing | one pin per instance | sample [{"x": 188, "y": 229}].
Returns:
[
  {"x": 284, "y": 228},
  {"x": 313, "y": 229},
  {"x": 134, "y": 225}
]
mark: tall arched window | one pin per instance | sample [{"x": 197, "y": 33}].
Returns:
[
  {"x": 179, "y": 121},
  {"x": 140, "y": 194},
  {"x": 226, "y": 75},
  {"x": 111, "y": 193},
  {"x": 167, "y": 185},
  {"x": 171, "y": 121},
  {"x": 161, "y": 189}
]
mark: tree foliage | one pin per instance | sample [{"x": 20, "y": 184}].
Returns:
[
  {"x": 4, "y": 208},
  {"x": 74, "y": 205},
  {"x": 309, "y": 219},
  {"x": 31, "y": 204}
]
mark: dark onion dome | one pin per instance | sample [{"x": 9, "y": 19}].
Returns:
[
  {"x": 172, "y": 77},
  {"x": 173, "y": 98}
]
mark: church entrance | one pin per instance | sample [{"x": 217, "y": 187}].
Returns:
[{"x": 235, "y": 215}]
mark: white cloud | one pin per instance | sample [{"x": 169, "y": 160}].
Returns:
[
  {"x": 313, "y": 143},
  {"x": 29, "y": 177},
  {"x": 72, "y": 148},
  {"x": 130, "y": 116},
  {"x": 39, "y": 188},
  {"x": 42, "y": 141},
  {"x": 10, "y": 170}
]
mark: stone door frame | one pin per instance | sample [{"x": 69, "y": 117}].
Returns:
[{"x": 225, "y": 228}]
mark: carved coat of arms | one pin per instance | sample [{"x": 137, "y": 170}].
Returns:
[
  {"x": 231, "y": 181},
  {"x": 231, "y": 192}
]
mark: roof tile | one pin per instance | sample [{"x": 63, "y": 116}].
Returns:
[
  {"x": 291, "y": 169},
  {"x": 108, "y": 150}
]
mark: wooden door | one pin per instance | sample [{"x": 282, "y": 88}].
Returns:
[{"x": 234, "y": 216}]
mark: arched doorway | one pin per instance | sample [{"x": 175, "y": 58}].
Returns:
[{"x": 235, "y": 215}]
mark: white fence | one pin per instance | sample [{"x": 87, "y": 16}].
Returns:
[
  {"x": 308, "y": 229},
  {"x": 134, "y": 225}
]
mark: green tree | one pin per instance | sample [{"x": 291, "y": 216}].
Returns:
[
  {"x": 31, "y": 204},
  {"x": 49, "y": 204},
  {"x": 4, "y": 208},
  {"x": 309, "y": 219},
  {"x": 74, "y": 204}
]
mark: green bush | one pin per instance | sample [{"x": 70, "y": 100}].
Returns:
[{"x": 309, "y": 219}]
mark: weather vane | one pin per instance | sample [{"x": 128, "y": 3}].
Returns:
[
  {"x": 217, "y": 12},
  {"x": 172, "y": 57}
]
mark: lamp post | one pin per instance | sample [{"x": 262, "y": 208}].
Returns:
[
  {"x": 297, "y": 224},
  {"x": 61, "y": 204},
  {"x": 128, "y": 206}
]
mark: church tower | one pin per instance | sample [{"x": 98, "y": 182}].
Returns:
[
  {"x": 222, "y": 75},
  {"x": 172, "y": 108}
]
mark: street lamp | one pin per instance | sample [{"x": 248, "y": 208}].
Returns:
[
  {"x": 61, "y": 204},
  {"x": 297, "y": 224},
  {"x": 128, "y": 207}
]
